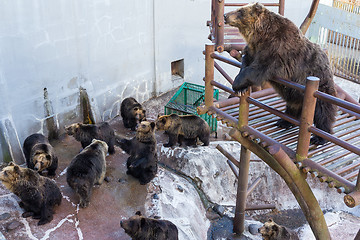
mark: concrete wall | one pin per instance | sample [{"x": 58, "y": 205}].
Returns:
[{"x": 113, "y": 49}]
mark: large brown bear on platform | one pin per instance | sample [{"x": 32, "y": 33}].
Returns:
[{"x": 277, "y": 48}]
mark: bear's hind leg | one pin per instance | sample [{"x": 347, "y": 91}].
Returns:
[
  {"x": 84, "y": 193},
  {"x": 46, "y": 215},
  {"x": 173, "y": 139},
  {"x": 293, "y": 112},
  {"x": 323, "y": 119}
]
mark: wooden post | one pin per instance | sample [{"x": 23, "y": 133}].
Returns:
[
  {"x": 209, "y": 75},
  {"x": 307, "y": 118},
  {"x": 219, "y": 25}
]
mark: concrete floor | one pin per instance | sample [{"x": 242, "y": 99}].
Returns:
[{"x": 117, "y": 199}]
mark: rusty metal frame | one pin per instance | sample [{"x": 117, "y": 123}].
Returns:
[{"x": 291, "y": 166}]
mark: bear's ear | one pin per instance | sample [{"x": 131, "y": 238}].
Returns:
[
  {"x": 48, "y": 157},
  {"x": 11, "y": 164},
  {"x": 138, "y": 213},
  {"x": 152, "y": 125},
  {"x": 275, "y": 228},
  {"x": 257, "y": 7},
  {"x": 158, "y": 116},
  {"x": 16, "y": 169},
  {"x": 144, "y": 111}
]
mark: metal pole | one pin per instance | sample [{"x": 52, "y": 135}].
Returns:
[
  {"x": 209, "y": 74},
  {"x": 307, "y": 118},
  {"x": 239, "y": 219}
]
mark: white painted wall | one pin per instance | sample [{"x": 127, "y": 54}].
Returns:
[{"x": 113, "y": 49}]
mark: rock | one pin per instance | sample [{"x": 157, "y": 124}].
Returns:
[
  {"x": 5, "y": 216},
  {"x": 211, "y": 215},
  {"x": 107, "y": 179},
  {"x": 13, "y": 225},
  {"x": 155, "y": 196},
  {"x": 122, "y": 180},
  {"x": 219, "y": 209},
  {"x": 254, "y": 229},
  {"x": 179, "y": 188}
]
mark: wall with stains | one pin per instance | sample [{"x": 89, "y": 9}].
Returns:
[{"x": 113, "y": 49}]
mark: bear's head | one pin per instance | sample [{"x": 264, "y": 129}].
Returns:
[
  {"x": 163, "y": 123},
  {"x": 247, "y": 19},
  {"x": 98, "y": 145},
  {"x": 72, "y": 129},
  {"x": 270, "y": 230},
  {"x": 145, "y": 131},
  {"x": 135, "y": 225},
  {"x": 10, "y": 174},
  {"x": 41, "y": 157},
  {"x": 139, "y": 114}
]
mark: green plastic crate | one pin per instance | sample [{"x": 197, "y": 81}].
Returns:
[{"x": 187, "y": 98}]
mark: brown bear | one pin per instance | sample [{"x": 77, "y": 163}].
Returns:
[
  {"x": 85, "y": 133},
  {"x": 132, "y": 113},
  {"x": 39, "y": 195},
  {"x": 277, "y": 48},
  {"x": 139, "y": 227},
  {"x": 142, "y": 163},
  {"x": 39, "y": 154},
  {"x": 86, "y": 169},
  {"x": 187, "y": 128},
  {"x": 273, "y": 231}
]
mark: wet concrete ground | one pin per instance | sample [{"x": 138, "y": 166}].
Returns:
[{"x": 117, "y": 199}]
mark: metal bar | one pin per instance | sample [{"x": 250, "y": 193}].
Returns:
[
  {"x": 307, "y": 117},
  {"x": 239, "y": 219},
  {"x": 274, "y": 111},
  {"x": 209, "y": 75},
  {"x": 306, "y": 23},
  {"x": 233, "y": 168},
  {"x": 228, "y": 155},
  {"x": 337, "y": 101},
  {"x": 323, "y": 171},
  {"x": 290, "y": 84},
  {"x": 225, "y": 88},
  {"x": 253, "y": 186},
  {"x": 226, "y": 60},
  {"x": 260, "y": 207},
  {"x": 335, "y": 140},
  {"x": 226, "y": 76}
]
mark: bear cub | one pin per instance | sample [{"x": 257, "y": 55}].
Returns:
[
  {"x": 139, "y": 227},
  {"x": 86, "y": 169},
  {"x": 142, "y": 163},
  {"x": 39, "y": 195},
  {"x": 85, "y": 133},
  {"x": 39, "y": 154},
  {"x": 184, "y": 128},
  {"x": 273, "y": 231},
  {"x": 132, "y": 113},
  {"x": 277, "y": 48}
]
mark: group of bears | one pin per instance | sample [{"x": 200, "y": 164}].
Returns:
[
  {"x": 39, "y": 195},
  {"x": 275, "y": 48}
]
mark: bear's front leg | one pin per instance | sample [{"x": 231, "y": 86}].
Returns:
[
  {"x": 173, "y": 139},
  {"x": 242, "y": 81}
]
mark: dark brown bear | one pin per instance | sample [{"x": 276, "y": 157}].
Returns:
[
  {"x": 132, "y": 113},
  {"x": 273, "y": 231},
  {"x": 139, "y": 227},
  {"x": 39, "y": 154},
  {"x": 187, "y": 128},
  {"x": 85, "y": 133},
  {"x": 86, "y": 169},
  {"x": 142, "y": 163},
  {"x": 277, "y": 48},
  {"x": 39, "y": 195}
]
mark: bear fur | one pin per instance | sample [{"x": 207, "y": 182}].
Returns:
[
  {"x": 142, "y": 163},
  {"x": 273, "y": 231},
  {"x": 139, "y": 227},
  {"x": 277, "y": 48},
  {"x": 39, "y": 195},
  {"x": 85, "y": 133},
  {"x": 39, "y": 154},
  {"x": 132, "y": 113},
  {"x": 187, "y": 128},
  {"x": 86, "y": 169}
]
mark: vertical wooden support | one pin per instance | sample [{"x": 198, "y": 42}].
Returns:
[
  {"x": 219, "y": 25},
  {"x": 239, "y": 219},
  {"x": 281, "y": 7},
  {"x": 307, "y": 118},
  {"x": 308, "y": 19},
  {"x": 209, "y": 75}
]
